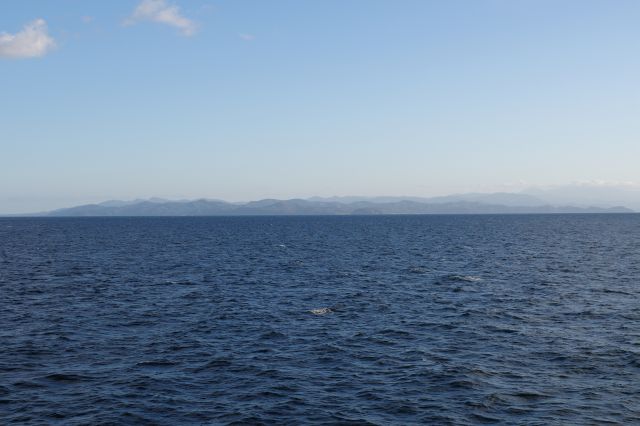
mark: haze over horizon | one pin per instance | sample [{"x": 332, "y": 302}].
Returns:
[{"x": 244, "y": 100}]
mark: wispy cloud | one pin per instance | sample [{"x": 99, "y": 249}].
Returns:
[
  {"x": 33, "y": 41},
  {"x": 164, "y": 13},
  {"x": 246, "y": 37}
]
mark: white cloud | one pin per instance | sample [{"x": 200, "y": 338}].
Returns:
[
  {"x": 162, "y": 12},
  {"x": 31, "y": 42}
]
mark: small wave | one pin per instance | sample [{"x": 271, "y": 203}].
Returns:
[
  {"x": 394, "y": 332},
  {"x": 56, "y": 415},
  {"x": 530, "y": 395},
  {"x": 483, "y": 418},
  {"x": 272, "y": 335},
  {"x": 463, "y": 278},
  {"x": 321, "y": 311},
  {"x": 156, "y": 363},
  {"x": 25, "y": 384},
  {"x": 193, "y": 295},
  {"x": 215, "y": 364},
  {"x": 462, "y": 384},
  {"x": 68, "y": 378},
  {"x": 176, "y": 282},
  {"x": 609, "y": 290}
]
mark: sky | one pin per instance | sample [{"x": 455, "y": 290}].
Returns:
[{"x": 241, "y": 100}]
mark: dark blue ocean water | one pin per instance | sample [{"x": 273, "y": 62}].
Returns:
[{"x": 321, "y": 320}]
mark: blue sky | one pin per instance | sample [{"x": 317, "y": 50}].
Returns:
[{"x": 254, "y": 99}]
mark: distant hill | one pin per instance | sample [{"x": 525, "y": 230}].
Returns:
[
  {"x": 498, "y": 198},
  {"x": 593, "y": 194},
  {"x": 467, "y": 204}
]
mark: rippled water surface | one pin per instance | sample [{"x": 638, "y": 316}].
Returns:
[{"x": 297, "y": 320}]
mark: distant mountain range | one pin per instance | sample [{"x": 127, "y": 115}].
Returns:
[{"x": 496, "y": 203}]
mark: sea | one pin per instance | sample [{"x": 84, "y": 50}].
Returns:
[{"x": 350, "y": 320}]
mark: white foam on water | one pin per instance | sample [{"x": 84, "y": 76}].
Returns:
[
  {"x": 321, "y": 311},
  {"x": 470, "y": 278},
  {"x": 467, "y": 278}
]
